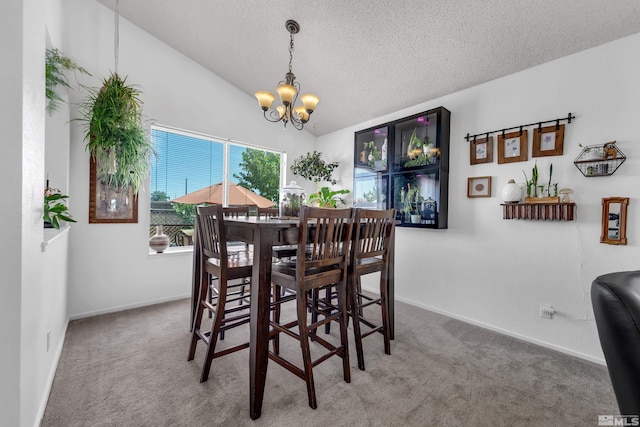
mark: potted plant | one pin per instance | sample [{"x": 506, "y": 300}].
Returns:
[
  {"x": 56, "y": 64},
  {"x": 327, "y": 198},
  {"x": 412, "y": 200},
  {"x": 312, "y": 167},
  {"x": 115, "y": 135},
  {"x": 55, "y": 208}
]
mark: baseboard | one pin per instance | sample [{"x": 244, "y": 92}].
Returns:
[
  {"x": 126, "y": 307},
  {"x": 52, "y": 373}
]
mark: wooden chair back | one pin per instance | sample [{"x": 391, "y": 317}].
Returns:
[
  {"x": 211, "y": 233},
  {"x": 373, "y": 230},
  {"x": 235, "y": 211},
  {"x": 268, "y": 212}
]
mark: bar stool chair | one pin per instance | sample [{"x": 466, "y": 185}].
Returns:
[
  {"x": 324, "y": 239},
  {"x": 370, "y": 254},
  {"x": 218, "y": 269}
]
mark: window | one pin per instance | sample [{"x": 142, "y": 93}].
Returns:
[{"x": 191, "y": 169}]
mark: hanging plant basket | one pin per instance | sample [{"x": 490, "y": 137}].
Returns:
[{"x": 116, "y": 139}]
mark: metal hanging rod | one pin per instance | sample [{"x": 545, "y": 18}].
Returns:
[{"x": 556, "y": 121}]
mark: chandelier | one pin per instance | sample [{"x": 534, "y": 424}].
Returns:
[{"x": 288, "y": 90}]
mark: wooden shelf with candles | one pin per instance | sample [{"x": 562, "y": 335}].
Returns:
[{"x": 553, "y": 211}]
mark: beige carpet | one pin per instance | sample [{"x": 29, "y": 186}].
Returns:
[{"x": 130, "y": 369}]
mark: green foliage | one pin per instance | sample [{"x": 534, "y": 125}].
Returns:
[
  {"x": 115, "y": 135},
  {"x": 412, "y": 200},
  {"x": 56, "y": 64},
  {"x": 373, "y": 150},
  {"x": 185, "y": 211},
  {"x": 371, "y": 195},
  {"x": 312, "y": 167},
  {"x": 260, "y": 173},
  {"x": 55, "y": 208},
  {"x": 159, "y": 196},
  {"x": 328, "y": 198}
]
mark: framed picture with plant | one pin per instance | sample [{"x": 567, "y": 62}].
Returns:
[
  {"x": 110, "y": 204},
  {"x": 513, "y": 147},
  {"x": 481, "y": 150},
  {"x": 120, "y": 150},
  {"x": 479, "y": 186},
  {"x": 548, "y": 141}
]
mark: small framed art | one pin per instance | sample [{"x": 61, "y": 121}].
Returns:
[
  {"x": 512, "y": 147},
  {"x": 479, "y": 186},
  {"x": 481, "y": 150},
  {"x": 548, "y": 141}
]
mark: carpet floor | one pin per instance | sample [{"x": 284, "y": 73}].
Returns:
[{"x": 130, "y": 369}]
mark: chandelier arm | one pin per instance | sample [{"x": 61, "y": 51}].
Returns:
[{"x": 272, "y": 116}]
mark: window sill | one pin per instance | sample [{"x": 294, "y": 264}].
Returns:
[
  {"x": 52, "y": 234},
  {"x": 172, "y": 251}
]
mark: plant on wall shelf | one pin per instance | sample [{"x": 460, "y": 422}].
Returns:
[
  {"x": 412, "y": 200},
  {"x": 56, "y": 65},
  {"x": 115, "y": 135},
  {"x": 55, "y": 208}
]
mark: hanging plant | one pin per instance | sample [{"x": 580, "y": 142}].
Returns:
[
  {"x": 115, "y": 135},
  {"x": 56, "y": 65},
  {"x": 312, "y": 167}
]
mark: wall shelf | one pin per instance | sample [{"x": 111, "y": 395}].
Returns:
[
  {"x": 599, "y": 160},
  {"x": 539, "y": 211}
]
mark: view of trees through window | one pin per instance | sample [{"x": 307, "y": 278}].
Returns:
[{"x": 189, "y": 169}]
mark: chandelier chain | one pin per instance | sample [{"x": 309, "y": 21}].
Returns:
[{"x": 290, "y": 50}]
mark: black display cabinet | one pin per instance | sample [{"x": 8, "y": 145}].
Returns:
[{"x": 404, "y": 164}]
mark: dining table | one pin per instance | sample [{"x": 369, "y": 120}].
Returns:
[{"x": 264, "y": 234}]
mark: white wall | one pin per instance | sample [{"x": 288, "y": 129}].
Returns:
[
  {"x": 496, "y": 272},
  {"x": 109, "y": 264}
]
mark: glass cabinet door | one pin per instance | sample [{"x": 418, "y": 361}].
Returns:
[
  {"x": 416, "y": 197},
  {"x": 369, "y": 189},
  {"x": 371, "y": 149},
  {"x": 416, "y": 142}
]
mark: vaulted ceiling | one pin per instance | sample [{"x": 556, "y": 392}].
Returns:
[{"x": 365, "y": 59}]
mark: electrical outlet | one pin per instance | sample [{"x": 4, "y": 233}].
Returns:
[
  {"x": 546, "y": 311},
  {"x": 48, "y": 340}
]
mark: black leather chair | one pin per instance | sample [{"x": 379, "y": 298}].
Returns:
[{"x": 616, "y": 305}]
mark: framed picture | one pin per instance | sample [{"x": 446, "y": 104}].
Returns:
[
  {"x": 108, "y": 204},
  {"x": 512, "y": 147},
  {"x": 548, "y": 141},
  {"x": 481, "y": 150},
  {"x": 479, "y": 186}
]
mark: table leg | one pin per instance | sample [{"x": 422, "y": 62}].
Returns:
[{"x": 259, "y": 333}]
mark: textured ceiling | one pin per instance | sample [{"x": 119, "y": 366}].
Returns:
[{"x": 365, "y": 59}]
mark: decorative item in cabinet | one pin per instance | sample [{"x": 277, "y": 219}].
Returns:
[
  {"x": 599, "y": 159},
  {"x": 371, "y": 148},
  {"x": 540, "y": 211},
  {"x": 369, "y": 189}
]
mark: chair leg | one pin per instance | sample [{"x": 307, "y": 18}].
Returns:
[
  {"x": 386, "y": 321},
  {"x": 202, "y": 295},
  {"x": 355, "y": 313},
  {"x": 327, "y": 300},
  {"x": 306, "y": 351},
  {"x": 277, "y": 296},
  {"x": 342, "y": 306},
  {"x": 215, "y": 329}
]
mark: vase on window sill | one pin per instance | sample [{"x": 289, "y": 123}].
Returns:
[{"x": 159, "y": 241}]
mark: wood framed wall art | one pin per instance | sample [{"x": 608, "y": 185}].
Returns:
[
  {"x": 513, "y": 147},
  {"x": 548, "y": 141},
  {"x": 614, "y": 220},
  {"x": 108, "y": 204},
  {"x": 481, "y": 150},
  {"x": 479, "y": 186}
]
